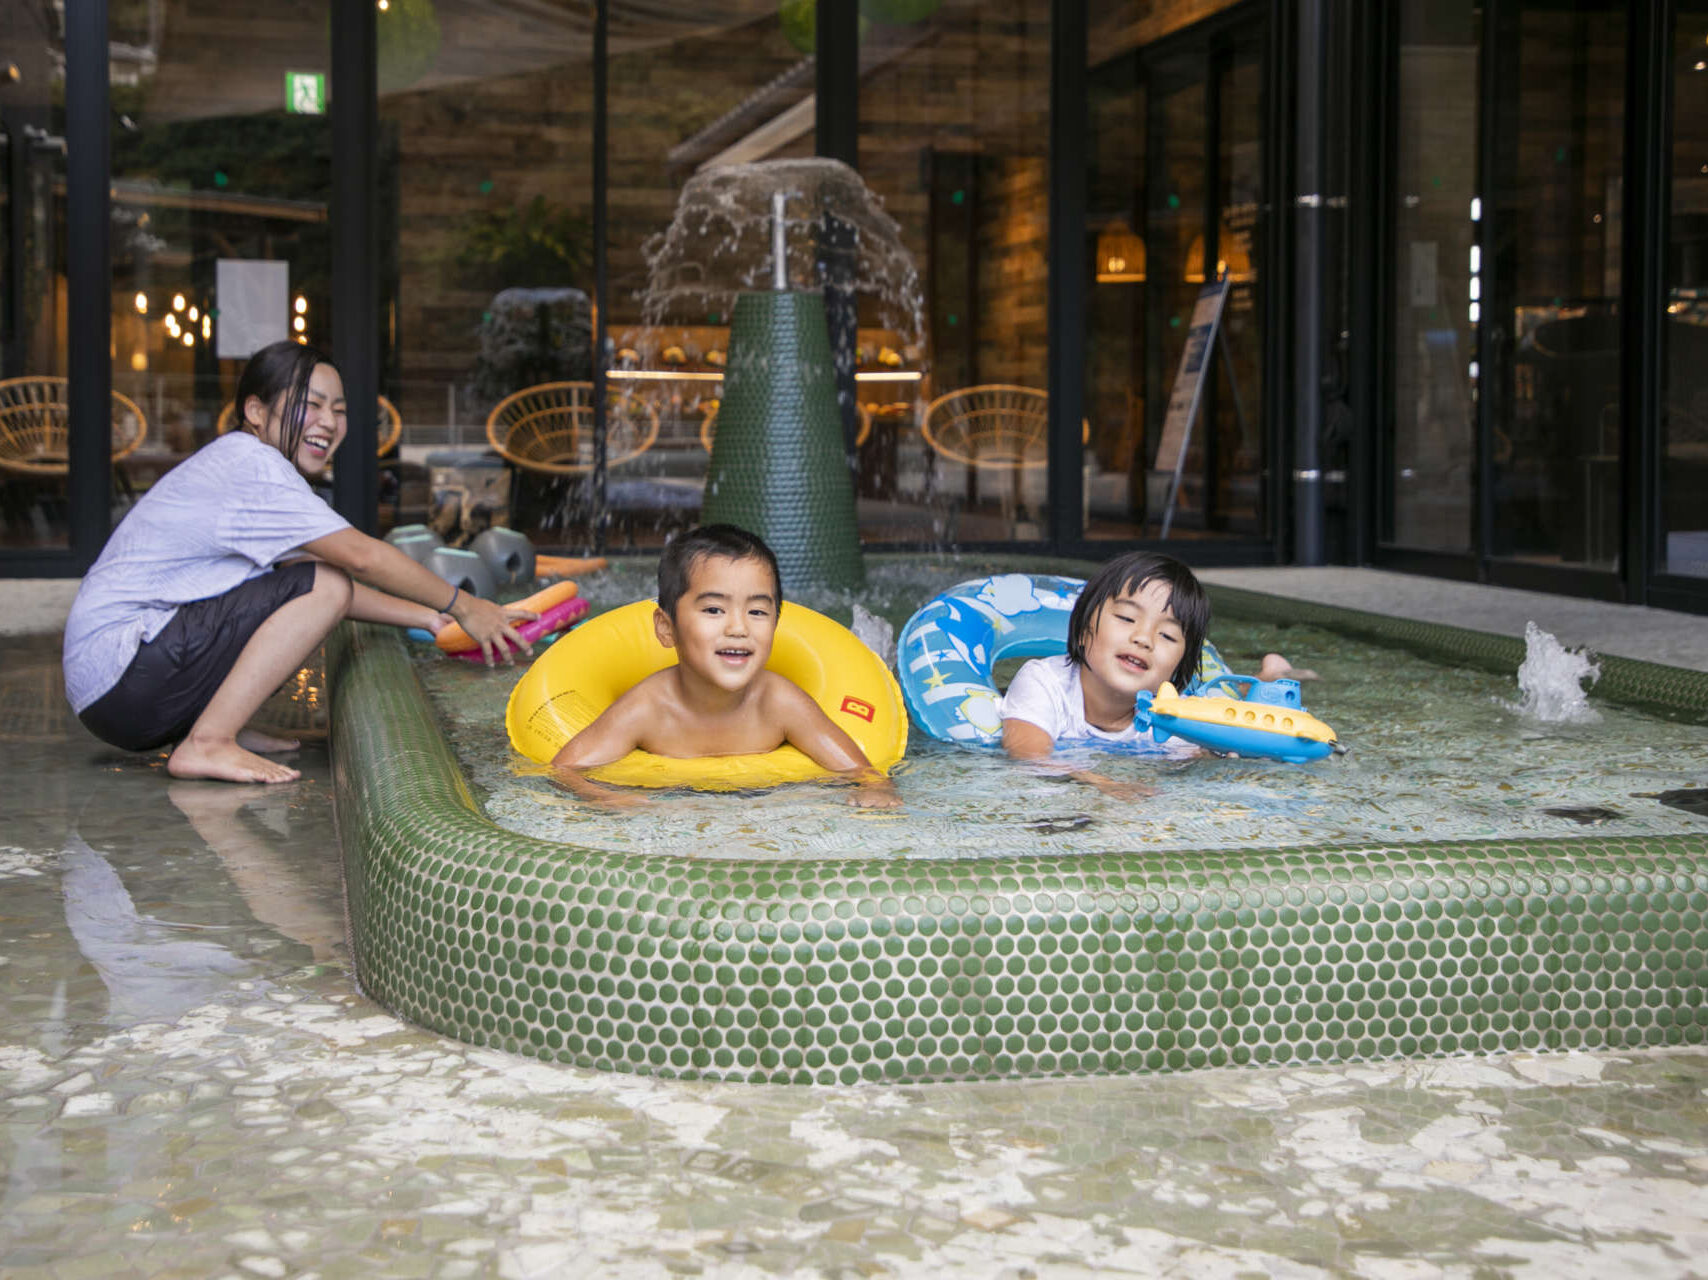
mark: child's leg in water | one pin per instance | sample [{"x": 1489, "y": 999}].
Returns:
[
  {"x": 1275, "y": 667},
  {"x": 278, "y": 647}
]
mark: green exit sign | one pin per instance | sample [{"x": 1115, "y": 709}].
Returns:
[{"x": 305, "y": 93}]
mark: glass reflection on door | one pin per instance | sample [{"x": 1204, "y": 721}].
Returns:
[
  {"x": 1438, "y": 278},
  {"x": 34, "y": 510},
  {"x": 1175, "y": 188},
  {"x": 1552, "y": 282},
  {"x": 1684, "y": 443},
  {"x": 1235, "y": 391},
  {"x": 220, "y": 196}
]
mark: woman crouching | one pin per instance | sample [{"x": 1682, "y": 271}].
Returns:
[{"x": 228, "y": 573}]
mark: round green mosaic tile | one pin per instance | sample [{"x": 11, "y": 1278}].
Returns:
[{"x": 866, "y": 970}]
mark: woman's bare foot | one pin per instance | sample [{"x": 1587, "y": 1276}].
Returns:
[
  {"x": 255, "y": 740},
  {"x": 226, "y": 761}
]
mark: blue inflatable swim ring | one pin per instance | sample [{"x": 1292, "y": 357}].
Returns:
[{"x": 947, "y": 650}]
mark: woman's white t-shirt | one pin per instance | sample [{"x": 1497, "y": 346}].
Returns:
[
  {"x": 1046, "y": 692},
  {"x": 227, "y": 513}
]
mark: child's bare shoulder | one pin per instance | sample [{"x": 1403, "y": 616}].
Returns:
[
  {"x": 649, "y": 694},
  {"x": 779, "y": 690}
]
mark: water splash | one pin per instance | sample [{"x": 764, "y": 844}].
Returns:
[
  {"x": 1551, "y": 679},
  {"x": 876, "y": 632},
  {"x": 719, "y": 244}
]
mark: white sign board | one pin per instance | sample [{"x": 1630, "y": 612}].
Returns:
[
  {"x": 1183, "y": 400},
  {"x": 252, "y": 301}
]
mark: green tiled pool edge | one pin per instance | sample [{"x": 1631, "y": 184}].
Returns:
[{"x": 911, "y": 971}]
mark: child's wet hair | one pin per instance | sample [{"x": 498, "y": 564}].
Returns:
[
  {"x": 1126, "y": 576},
  {"x": 686, "y": 550},
  {"x": 280, "y": 369}
]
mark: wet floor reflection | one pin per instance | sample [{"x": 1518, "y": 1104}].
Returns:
[
  {"x": 129, "y": 895},
  {"x": 191, "y": 1085}
]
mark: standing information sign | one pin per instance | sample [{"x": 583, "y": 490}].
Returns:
[{"x": 1188, "y": 392}]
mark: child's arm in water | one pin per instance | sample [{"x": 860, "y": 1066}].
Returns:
[
  {"x": 1023, "y": 740},
  {"x": 806, "y": 727},
  {"x": 609, "y": 738}
]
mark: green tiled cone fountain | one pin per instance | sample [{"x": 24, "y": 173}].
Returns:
[
  {"x": 767, "y": 245},
  {"x": 777, "y": 465}
]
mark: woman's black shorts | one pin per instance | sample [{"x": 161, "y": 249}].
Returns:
[{"x": 175, "y": 675}]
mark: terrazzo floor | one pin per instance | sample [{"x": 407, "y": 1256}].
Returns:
[{"x": 192, "y": 1086}]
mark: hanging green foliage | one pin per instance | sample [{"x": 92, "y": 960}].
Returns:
[
  {"x": 898, "y": 12},
  {"x": 536, "y": 243},
  {"x": 408, "y": 32},
  {"x": 800, "y": 21}
]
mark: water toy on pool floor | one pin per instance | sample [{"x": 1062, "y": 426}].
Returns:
[
  {"x": 462, "y": 569},
  {"x": 948, "y": 648},
  {"x": 559, "y": 605},
  {"x": 1270, "y": 720},
  {"x": 509, "y": 554},
  {"x": 584, "y": 672}
]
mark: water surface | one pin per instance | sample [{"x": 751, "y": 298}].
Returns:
[{"x": 1435, "y": 753}]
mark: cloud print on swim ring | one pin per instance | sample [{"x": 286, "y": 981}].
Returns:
[{"x": 1015, "y": 593}]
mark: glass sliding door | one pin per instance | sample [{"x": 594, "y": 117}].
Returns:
[
  {"x": 1175, "y": 182},
  {"x": 1552, "y": 282},
  {"x": 1505, "y": 285},
  {"x": 954, "y": 140},
  {"x": 693, "y": 87},
  {"x": 486, "y": 283},
  {"x": 1234, "y": 434},
  {"x": 1437, "y": 278},
  {"x": 1684, "y": 440},
  {"x": 221, "y": 178},
  {"x": 34, "y": 500}
]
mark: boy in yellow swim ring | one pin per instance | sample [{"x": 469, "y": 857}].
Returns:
[{"x": 719, "y": 594}]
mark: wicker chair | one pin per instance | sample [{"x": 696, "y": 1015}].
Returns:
[
  {"x": 709, "y": 426},
  {"x": 35, "y": 426},
  {"x": 548, "y": 428},
  {"x": 391, "y": 424},
  {"x": 994, "y": 427}
]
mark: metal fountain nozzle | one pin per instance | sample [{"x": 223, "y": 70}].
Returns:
[{"x": 779, "y": 246}]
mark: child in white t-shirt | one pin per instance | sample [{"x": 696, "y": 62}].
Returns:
[{"x": 1140, "y": 621}]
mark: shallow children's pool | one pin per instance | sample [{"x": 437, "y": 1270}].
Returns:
[
  {"x": 1463, "y": 881},
  {"x": 1436, "y": 753}
]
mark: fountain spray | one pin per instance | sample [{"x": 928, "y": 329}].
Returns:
[{"x": 779, "y": 463}]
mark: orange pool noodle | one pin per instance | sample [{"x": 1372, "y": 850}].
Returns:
[
  {"x": 453, "y": 639},
  {"x": 566, "y": 566}
]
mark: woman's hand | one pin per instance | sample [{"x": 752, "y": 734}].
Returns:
[{"x": 489, "y": 625}]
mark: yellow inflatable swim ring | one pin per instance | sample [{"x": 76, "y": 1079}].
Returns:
[{"x": 583, "y": 673}]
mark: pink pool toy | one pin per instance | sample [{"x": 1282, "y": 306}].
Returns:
[{"x": 559, "y": 617}]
